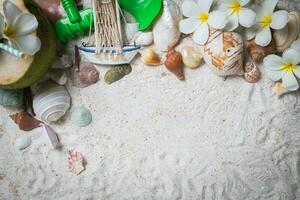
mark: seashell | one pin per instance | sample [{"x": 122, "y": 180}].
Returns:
[
  {"x": 51, "y": 135},
  {"x": 63, "y": 61},
  {"x": 23, "y": 142},
  {"x": 11, "y": 98},
  {"x": 223, "y": 53},
  {"x": 133, "y": 35},
  {"x": 25, "y": 121},
  {"x": 279, "y": 89},
  {"x": 58, "y": 76},
  {"x": 285, "y": 37},
  {"x": 81, "y": 117},
  {"x": 252, "y": 73},
  {"x": 257, "y": 52},
  {"x": 144, "y": 38},
  {"x": 191, "y": 57},
  {"x": 149, "y": 57},
  {"x": 174, "y": 63},
  {"x": 51, "y": 102},
  {"x": 75, "y": 162},
  {"x": 117, "y": 73},
  {"x": 166, "y": 33},
  {"x": 88, "y": 74}
]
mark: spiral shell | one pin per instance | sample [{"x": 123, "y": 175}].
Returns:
[
  {"x": 252, "y": 73},
  {"x": 51, "y": 102},
  {"x": 150, "y": 57},
  {"x": 11, "y": 98},
  {"x": 257, "y": 52},
  {"x": 174, "y": 64},
  {"x": 81, "y": 117}
]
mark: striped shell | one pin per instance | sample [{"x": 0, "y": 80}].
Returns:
[
  {"x": 223, "y": 53},
  {"x": 81, "y": 117}
]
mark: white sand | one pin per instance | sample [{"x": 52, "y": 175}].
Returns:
[{"x": 154, "y": 137}]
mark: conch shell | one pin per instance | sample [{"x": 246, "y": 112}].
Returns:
[
  {"x": 25, "y": 121},
  {"x": 174, "y": 63},
  {"x": 223, "y": 53},
  {"x": 257, "y": 52},
  {"x": 166, "y": 32},
  {"x": 150, "y": 57},
  {"x": 252, "y": 73},
  {"x": 75, "y": 162}
]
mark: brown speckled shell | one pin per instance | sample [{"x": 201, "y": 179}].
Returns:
[
  {"x": 252, "y": 73},
  {"x": 257, "y": 52}
]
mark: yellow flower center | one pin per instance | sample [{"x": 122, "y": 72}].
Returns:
[
  {"x": 203, "y": 17},
  {"x": 235, "y": 7},
  {"x": 288, "y": 67},
  {"x": 266, "y": 21}
]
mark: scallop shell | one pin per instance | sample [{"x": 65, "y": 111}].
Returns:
[
  {"x": 75, "y": 162},
  {"x": 285, "y": 37},
  {"x": 25, "y": 121},
  {"x": 252, "y": 73},
  {"x": 191, "y": 57},
  {"x": 166, "y": 33},
  {"x": 150, "y": 57},
  {"x": 223, "y": 53},
  {"x": 11, "y": 98},
  {"x": 117, "y": 73},
  {"x": 51, "y": 102},
  {"x": 81, "y": 117}
]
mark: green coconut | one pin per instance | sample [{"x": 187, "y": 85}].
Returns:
[{"x": 22, "y": 73}]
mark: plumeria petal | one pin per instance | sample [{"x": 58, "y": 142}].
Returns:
[
  {"x": 2, "y": 24},
  {"x": 291, "y": 55},
  {"x": 190, "y": 9},
  {"x": 29, "y": 44},
  {"x": 290, "y": 82},
  {"x": 279, "y": 19},
  {"x": 274, "y": 75},
  {"x": 273, "y": 62},
  {"x": 246, "y": 17},
  {"x": 11, "y": 12},
  {"x": 264, "y": 37},
  {"x": 232, "y": 23},
  {"x": 217, "y": 19},
  {"x": 251, "y": 32},
  {"x": 269, "y": 5},
  {"x": 25, "y": 24},
  {"x": 244, "y": 2},
  {"x": 205, "y": 5},
  {"x": 201, "y": 34},
  {"x": 296, "y": 45},
  {"x": 188, "y": 25},
  {"x": 297, "y": 71}
]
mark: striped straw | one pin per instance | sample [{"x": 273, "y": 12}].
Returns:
[{"x": 18, "y": 54}]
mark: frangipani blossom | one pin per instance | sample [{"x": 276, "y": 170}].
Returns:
[
  {"x": 284, "y": 68},
  {"x": 17, "y": 28},
  {"x": 267, "y": 19},
  {"x": 200, "y": 19},
  {"x": 296, "y": 45},
  {"x": 238, "y": 14}
]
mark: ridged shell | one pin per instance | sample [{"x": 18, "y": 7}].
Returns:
[
  {"x": 81, "y": 117},
  {"x": 51, "y": 102},
  {"x": 252, "y": 73},
  {"x": 223, "y": 53},
  {"x": 11, "y": 98},
  {"x": 285, "y": 37},
  {"x": 117, "y": 73}
]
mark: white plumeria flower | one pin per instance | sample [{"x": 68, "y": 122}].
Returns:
[
  {"x": 200, "y": 19},
  {"x": 238, "y": 13},
  {"x": 296, "y": 45},
  {"x": 17, "y": 28},
  {"x": 284, "y": 68},
  {"x": 267, "y": 19}
]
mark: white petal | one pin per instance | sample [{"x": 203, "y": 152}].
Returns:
[
  {"x": 290, "y": 82},
  {"x": 264, "y": 37},
  {"x": 205, "y": 5},
  {"x": 247, "y": 17},
  {"x": 273, "y": 62},
  {"x": 188, "y": 25},
  {"x": 232, "y": 23},
  {"x": 244, "y": 2},
  {"x": 201, "y": 34},
  {"x": 2, "y": 24},
  {"x": 28, "y": 44},
  {"x": 190, "y": 9},
  {"x": 217, "y": 19},
  {"x": 279, "y": 20},
  {"x": 291, "y": 55},
  {"x": 274, "y": 75},
  {"x": 297, "y": 71},
  {"x": 296, "y": 45},
  {"x": 25, "y": 24},
  {"x": 11, "y": 12},
  {"x": 251, "y": 32},
  {"x": 269, "y": 5}
]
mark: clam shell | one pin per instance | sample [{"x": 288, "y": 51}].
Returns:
[
  {"x": 50, "y": 104},
  {"x": 285, "y": 37},
  {"x": 81, "y": 117},
  {"x": 11, "y": 98}
]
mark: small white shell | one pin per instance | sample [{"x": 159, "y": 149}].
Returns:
[
  {"x": 51, "y": 135},
  {"x": 23, "y": 142},
  {"x": 51, "y": 103},
  {"x": 144, "y": 38}
]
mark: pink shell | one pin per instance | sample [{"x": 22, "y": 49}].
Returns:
[{"x": 75, "y": 162}]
